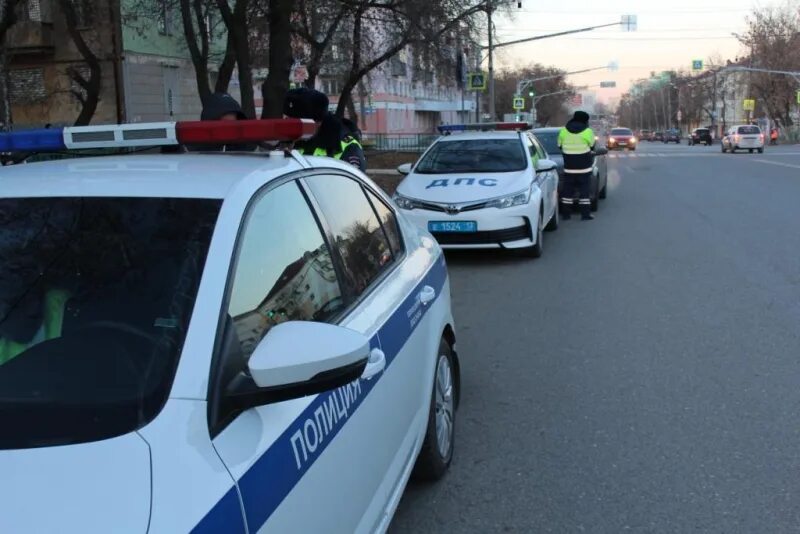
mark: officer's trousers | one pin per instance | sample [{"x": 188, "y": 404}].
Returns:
[{"x": 577, "y": 186}]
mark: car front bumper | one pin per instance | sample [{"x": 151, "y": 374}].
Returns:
[{"x": 496, "y": 228}]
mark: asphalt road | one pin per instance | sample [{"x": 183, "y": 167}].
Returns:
[{"x": 644, "y": 374}]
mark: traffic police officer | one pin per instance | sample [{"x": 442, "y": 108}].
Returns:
[
  {"x": 332, "y": 138},
  {"x": 576, "y": 141}
]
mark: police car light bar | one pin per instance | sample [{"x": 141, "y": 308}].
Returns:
[
  {"x": 483, "y": 127},
  {"x": 157, "y": 134}
]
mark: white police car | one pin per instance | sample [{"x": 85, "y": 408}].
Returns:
[
  {"x": 214, "y": 342},
  {"x": 483, "y": 189}
]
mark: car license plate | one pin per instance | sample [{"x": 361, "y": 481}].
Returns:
[
  {"x": 452, "y": 226},
  {"x": 623, "y": 143}
]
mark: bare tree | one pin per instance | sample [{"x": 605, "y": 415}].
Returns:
[
  {"x": 549, "y": 109},
  {"x": 772, "y": 38},
  {"x": 381, "y": 29},
  {"x": 237, "y": 24},
  {"x": 88, "y": 93},
  {"x": 317, "y": 23},
  {"x": 280, "y": 57}
]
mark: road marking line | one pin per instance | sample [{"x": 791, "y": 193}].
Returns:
[{"x": 778, "y": 163}]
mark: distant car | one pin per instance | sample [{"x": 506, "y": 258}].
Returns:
[
  {"x": 621, "y": 138},
  {"x": 743, "y": 137},
  {"x": 548, "y": 137},
  {"x": 672, "y": 136},
  {"x": 644, "y": 135},
  {"x": 657, "y": 136},
  {"x": 700, "y": 136}
]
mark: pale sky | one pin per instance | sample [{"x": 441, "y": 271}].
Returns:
[{"x": 670, "y": 34}]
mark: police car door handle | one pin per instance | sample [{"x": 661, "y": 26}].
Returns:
[
  {"x": 427, "y": 295},
  {"x": 375, "y": 364}
]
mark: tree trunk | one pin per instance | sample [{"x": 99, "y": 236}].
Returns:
[
  {"x": 92, "y": 86},
  {"x": 273, "y": 91},
  {"x": 226, "y": 68},
  {"x": 191, "y": 11},
  {"x": 236, "y": 24}
]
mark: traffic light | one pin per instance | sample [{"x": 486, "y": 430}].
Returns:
[{"x": 531, "y": 93}]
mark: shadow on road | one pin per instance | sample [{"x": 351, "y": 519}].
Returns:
[{"x": 485, "y": 257}]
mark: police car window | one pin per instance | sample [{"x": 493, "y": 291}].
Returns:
[
  {"x": 549, "y": 140},
  {"x": 358, "y": 235},
  {"x": 95, "y": 299},
  {"x": 284, "y": 270},
  {"x": 473, "y": 155},
  {"x": 540, "y": 153},
  {"x": 389, "y": 222}
]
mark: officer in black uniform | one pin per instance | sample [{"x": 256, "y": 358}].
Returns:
[{"x": 333, "y": 138}]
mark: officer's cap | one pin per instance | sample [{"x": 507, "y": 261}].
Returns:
[{"x": 305, "y": 103}]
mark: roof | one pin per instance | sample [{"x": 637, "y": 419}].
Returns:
[
  {"x": 160, "y": 175},
  {"x": 547, "y": 129}
]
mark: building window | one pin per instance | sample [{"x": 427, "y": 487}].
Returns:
[
  {"x": 27, "y": 86},
  {"x": 32, "y": 11},
  {"x": 165, "y": 17}
]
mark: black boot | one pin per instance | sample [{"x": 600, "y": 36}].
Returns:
[
  {"x": 565, "y": 211},
  {"x": 586, "y": 210}
]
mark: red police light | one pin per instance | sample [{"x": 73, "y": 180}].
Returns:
[{"x": 245, "y": 131}]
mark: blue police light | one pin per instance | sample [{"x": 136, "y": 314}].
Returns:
[
  {"x": 33, "y": 140},
  {"x": 452, "y": 128}
]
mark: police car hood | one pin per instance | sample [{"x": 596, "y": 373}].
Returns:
[
  {"x": 468, "y": 187},
  {"x": 102, "y": 486}
]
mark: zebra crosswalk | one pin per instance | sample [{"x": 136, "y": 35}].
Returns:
[{"x": 634, "y": 155}]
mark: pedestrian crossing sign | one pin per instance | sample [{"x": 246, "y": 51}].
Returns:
[
  {"x": 519, "y": 103},
  {"x": 476, "y": 81},
  {"x": 697, "y": 64},
  {"x": 749, "y": 104}
]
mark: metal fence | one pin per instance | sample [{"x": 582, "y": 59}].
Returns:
[{"x": 397, "y": 142}]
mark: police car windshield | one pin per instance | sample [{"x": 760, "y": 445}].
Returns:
[
  {"x": 95, "y": 298},
  {"x": 473, "y": 155},
  {"x": 549, "y": 141}
]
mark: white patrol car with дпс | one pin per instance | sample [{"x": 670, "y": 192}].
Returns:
[
  {"x": 214, "y": 342},
  {"x": 488, "y": 185}
]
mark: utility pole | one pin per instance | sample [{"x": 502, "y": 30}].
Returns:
[
  {"x": 491, "y": 65},
  {"x": 714, "y": 104}
]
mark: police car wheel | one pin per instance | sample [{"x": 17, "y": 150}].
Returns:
[
  {"x": 437, "y": 448},
  {"x": 603, "y": 192},
  {"x": 761, "y": 150}
]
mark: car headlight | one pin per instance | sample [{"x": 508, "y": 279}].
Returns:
[
  {"x": 509, "y": 201},
  {"x": 612, "y": 140},
  {"x": 405, "y": 203},
  {"x": 633, "y": 139}
]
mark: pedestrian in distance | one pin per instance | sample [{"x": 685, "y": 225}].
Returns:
[
  {"x": 335, "y": 138},
  {"x": 577, "y": 141},
  {"x": 223, "y": 107}
]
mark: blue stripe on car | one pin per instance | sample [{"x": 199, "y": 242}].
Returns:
[{"x": 273, "y": 475}]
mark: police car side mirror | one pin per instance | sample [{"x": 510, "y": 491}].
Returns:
[
  {"x": 546, "y": 165},
  {"x": 404, "y": 169},
  {"x": 300, "y": 358}
]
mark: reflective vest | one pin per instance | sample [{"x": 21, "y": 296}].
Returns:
[
  {"x": 55, "y": 302},
  {"x": 577, "y": 150},
  {"x": 346, "y": 142},
  {"x": 576, "y": 143}
]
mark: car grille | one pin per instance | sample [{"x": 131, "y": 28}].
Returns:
[
  {"x": 443, "y": 208},
  {"x": 486, "y": 237}
]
